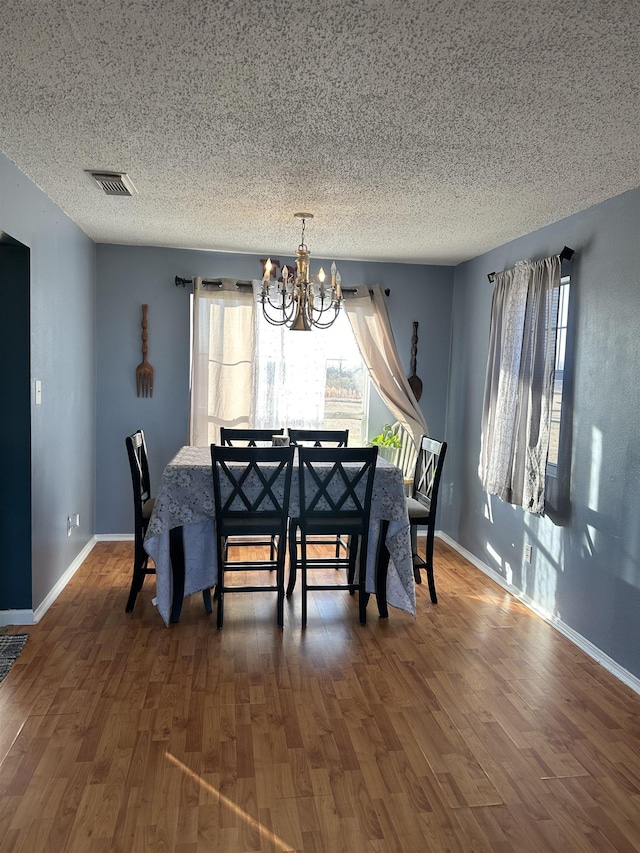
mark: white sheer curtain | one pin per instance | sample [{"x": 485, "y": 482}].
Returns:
[
  {"x": 369, "y": 317},
  {"x": 290, "y": 375},
  {"x": 222, "y": 360},
  {"x": 247, "y": 373},
  {"x": 519, "y": 383}
]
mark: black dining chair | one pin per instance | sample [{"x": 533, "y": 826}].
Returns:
[
  {"x": 240, "y": 437},
  {"x": 423, "y": 503},
  {"x": 336, "y": 485},
  {"x": 322, "y": 438},
  {"x": 232, "y": 437},
  {"x": 142, "y": 509},
  {"x": 143, "y": 505},
  {"x": 251, "y": 488},
  {"x": 319, "y": 437}
]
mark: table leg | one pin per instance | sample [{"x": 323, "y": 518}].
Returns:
[
  {"x": 176, "y": 552},
  {"x": 382, "y": 566}
]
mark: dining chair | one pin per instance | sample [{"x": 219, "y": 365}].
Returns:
[
  {"x": 423, "y": 503},
  {"x": 240, "y": 437},
  {"x": 406, "y": 458},
  {"x": 336, "y": 485},
  {"x": 251, "y": 488},
  {"x": 319, "y": 437},
  {"x": 323, "y": 438},
  {"x": 232, "y": 437},
  {"x": 142, "y": 509},
  {"x": 143, "y": 505}
]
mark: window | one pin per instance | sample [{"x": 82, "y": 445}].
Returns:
[
  {"x": 558, "y": 382},
  {"x": 247, "y": 373},
  {"x": 311, "y": 379}
]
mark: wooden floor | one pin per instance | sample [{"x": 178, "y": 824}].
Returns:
[{"x": 475, "y": 727}]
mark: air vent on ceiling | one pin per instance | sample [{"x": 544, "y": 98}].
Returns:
[{"x": 114, "y": 183}]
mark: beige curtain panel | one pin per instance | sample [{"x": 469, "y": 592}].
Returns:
[{"x": 369, "y": 317}]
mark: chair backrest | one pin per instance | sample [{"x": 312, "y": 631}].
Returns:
[
  {"x": 426, "y": 481},
  {"x": 406, "y": 459},
  {"x": 336, "y": 482},
  {"x": 232, "y": 437},
  {"x": 138, "y": 462},
  {"x": 319, "y": 437},
  {"x": 251, "y": 482}
]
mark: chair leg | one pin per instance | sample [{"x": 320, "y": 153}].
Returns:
[
  {"x": 303, "y": 577},
  {"x": 414, "y": 554},
  {"x": 281, "y": 554},
  {"x": 363, "y": 598},
  {"x": 354, "y": 544},
  {"x": 220, "y": 610},
  {"x": 136, "y": 586},
  {"x": 293, "y": 556},
  {"x": 429, "y": 562},
  {"x": 220, "y": 591},
  {"x": 140, "y": 562}
]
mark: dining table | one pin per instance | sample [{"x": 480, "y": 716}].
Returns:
[{"x": 181, "y": 542}]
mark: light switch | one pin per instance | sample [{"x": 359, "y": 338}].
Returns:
[{"x": 38, "y": 392}]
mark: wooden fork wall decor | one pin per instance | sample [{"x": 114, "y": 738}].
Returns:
[{"x": 144, "y": 371}]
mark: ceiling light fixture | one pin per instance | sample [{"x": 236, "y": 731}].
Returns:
[{"x": 300, "y": 303}]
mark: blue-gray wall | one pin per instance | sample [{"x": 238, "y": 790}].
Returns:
[
  {"x": 129, "y": 276},
  {"x": 62, "y": 354},
  {"x": 586, "y": 569}
]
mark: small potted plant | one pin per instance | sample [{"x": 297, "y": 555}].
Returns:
[{"x": 388, "y": 444}]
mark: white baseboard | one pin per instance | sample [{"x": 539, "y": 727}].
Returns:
[
  {"x": 32, "y": 617},
  {"x": 64, "y": 580},
  {"x": 577, "y": 639},
  {"x": 114, "y": 537}
]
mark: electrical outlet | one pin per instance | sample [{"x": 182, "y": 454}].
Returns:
[
  {"x": 72, "y": 522},
  {"x": 528, "y": 553}
]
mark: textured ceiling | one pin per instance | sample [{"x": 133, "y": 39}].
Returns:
[{"x": 416, "y": 131}]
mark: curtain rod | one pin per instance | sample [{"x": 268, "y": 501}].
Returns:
[
  {"x": 247, "y": 285},
  {"x": 565, "y": 255}
]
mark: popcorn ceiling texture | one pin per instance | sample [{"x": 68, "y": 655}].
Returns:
[{"x": 417, "y": 131}]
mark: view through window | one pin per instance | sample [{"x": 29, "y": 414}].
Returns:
[
  {"x": 558, "y": 384},
  {"x": 311, "y": 380}
]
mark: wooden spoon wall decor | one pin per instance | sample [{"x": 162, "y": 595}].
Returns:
[
  {"x": 144, "y": 371},
  {"x": 415, "y": 383}
]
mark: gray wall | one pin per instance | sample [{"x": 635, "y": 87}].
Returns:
[
  {"x": 585, "y": 569},
  {"x": 130, "y": 276},
  {"x": 62, "y": 352}
]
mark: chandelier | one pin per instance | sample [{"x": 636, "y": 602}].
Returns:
[{"x": 299, "y": 302}]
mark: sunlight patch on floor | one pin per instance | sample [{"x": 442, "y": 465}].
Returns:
[{"x": 273, "y": 839}]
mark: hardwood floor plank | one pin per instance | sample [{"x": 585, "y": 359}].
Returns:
[{"x": 475, "y": 728}]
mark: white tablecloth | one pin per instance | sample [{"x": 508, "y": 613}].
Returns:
[{"x": 185, "y": 499}]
